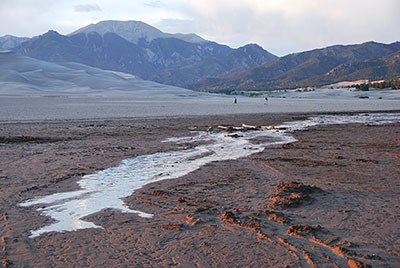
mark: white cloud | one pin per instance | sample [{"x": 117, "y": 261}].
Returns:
[
  {"x": 284, "y": 26},
  {"x": 155, "y": 4},
  {"x": 280, "y": 26},
  {"x": 19, "y": 17},
  {"x": 87, "y": 8},
  {"x": 176, "y": 25}
]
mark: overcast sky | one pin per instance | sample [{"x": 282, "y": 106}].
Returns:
[{"x": 279, "y": 26}]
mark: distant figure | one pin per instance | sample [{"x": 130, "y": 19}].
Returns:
[
  {"x": 266, "y": 99},
  {"x": 235, "y": 100}
]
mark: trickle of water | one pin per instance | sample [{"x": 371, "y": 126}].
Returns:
[{"x": 106, "y": 189}]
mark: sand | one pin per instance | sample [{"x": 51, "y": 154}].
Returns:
[
  {"x": 151, "y": 104},
  {"x": 341, "y": 209}
]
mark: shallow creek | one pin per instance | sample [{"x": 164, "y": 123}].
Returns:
[{"x": 107, "y": 188}]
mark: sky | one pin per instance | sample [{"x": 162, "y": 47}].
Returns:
[{"x": 279, "y": 26}]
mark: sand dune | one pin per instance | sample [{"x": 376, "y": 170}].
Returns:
[{"x": 35, "y": 76}]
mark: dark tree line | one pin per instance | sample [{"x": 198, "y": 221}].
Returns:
[{"x": 390, "y": 84}]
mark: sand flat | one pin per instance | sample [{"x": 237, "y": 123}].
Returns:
[{"x": 224, "y": 213}]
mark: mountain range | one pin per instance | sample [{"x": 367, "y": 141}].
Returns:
[
  {"x": 188, "y": 60},
  {"x": 369, "y": 61},
  {"x": 145, "y": 51}
]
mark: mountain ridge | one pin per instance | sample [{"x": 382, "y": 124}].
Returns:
[
  {"x": 309, "y": 68},
  {"x": 140, "y": 49},
  {"x": 167, "y": 60},
  {"x": 134, "y": 31}
]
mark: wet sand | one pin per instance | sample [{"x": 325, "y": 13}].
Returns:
[{"x": 343, "y": 209}]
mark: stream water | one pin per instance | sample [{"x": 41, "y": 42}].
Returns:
[{"x": 107, "y": 188}]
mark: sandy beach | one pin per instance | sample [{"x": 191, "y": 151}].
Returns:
[{"x": 328, "y": 200}]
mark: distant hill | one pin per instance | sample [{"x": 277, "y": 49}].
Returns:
[
  {"x": 317, "y": 67},
  {"x": 9, "y": 41},
  {"x": 24, "y": 75},
  {"x": 376, "y": 69},
  {"x": 142, "y": 50}
]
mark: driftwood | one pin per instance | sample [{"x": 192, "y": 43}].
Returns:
[
  {"x": 230, "y": 128},
  {"x": 245, "y": 127},
  {"x": 250, "y": 127},
  {"x": 271, "y": 127}
]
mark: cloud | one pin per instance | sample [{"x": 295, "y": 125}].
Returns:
[
  {"x": 176, "y": 25},
  {"x": 280, "y": 26},
  {"x": 17, "y": 17},
  {"x": 87, "y": 8},
  {"x": 286, "y": 26},
  {"x": 155, "y": 4}
]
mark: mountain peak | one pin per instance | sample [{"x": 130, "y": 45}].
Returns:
[
  {"x": 52, "y": 32},
  {"x": 133, "y": 31},
  {"x": 252, "y": 47}
]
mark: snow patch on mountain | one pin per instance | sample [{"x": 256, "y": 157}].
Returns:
[{"x": 134, "y": 31}]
